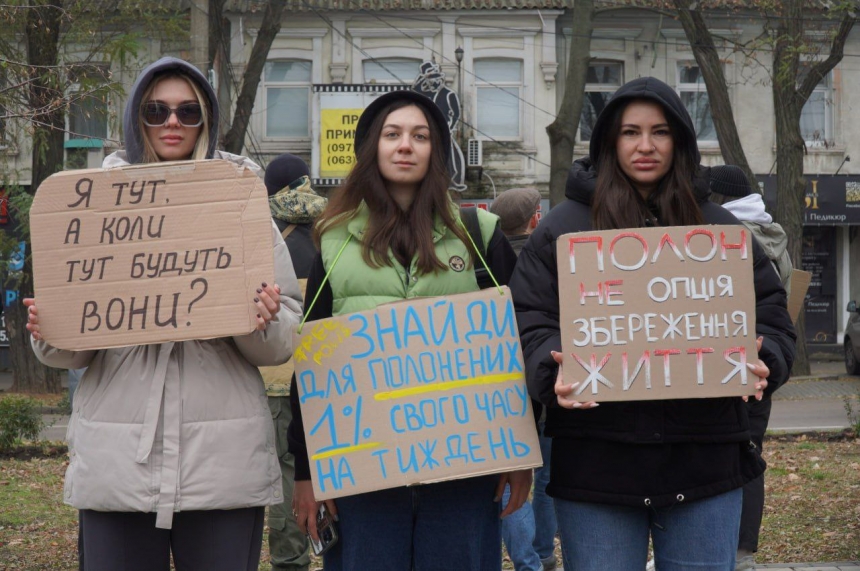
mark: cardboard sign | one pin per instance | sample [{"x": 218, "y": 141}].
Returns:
[
  {"x": 657, "y": 313},
  {"x": 414, "y": 392},
  {"x": 149, "y": 253},
  {"x": 799, "y": 285}
]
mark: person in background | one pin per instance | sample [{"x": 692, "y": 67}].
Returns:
[
  {"x": 529, "y": 533},
  {"x": 171, "y": 452},
  {"x": 731, "y": 188},
  {"x": 401, "y": 237},
  {"x": 517, "y": 210},
  {"x": 668, "y": 470},
  {"x": 294, "y": 206}
]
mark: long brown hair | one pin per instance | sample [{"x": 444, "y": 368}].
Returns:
[
  {"x": 410, "y": 232},
  {"x": 617, "y": 203}
]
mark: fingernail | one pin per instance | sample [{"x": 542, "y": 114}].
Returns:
[
  {"x": 759, "y": 338},
  {"x": 597, "y": 404},
  {"x": 751, "y": 367},
  {"x": 256, "y": 299},
  {"x": 553, "y": 353},
  {"x": 259, "y": 316},
  {"x": 264, "y": 284},
  {"x": 259, "y": 290}
]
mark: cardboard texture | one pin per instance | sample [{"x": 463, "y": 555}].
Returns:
[
  {"x": 414, "y": 392},
  {"x": 657, "y": 313},
  {"x": 149, "y": 253},
  {"x": 799, "y": 285}
]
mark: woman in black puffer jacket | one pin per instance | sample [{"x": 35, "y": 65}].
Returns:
[{"x": 673, "y": 469}]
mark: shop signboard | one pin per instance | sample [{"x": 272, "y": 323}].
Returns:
[{"x": 831, "y": 200}]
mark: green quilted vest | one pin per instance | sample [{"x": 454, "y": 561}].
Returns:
[{"x": 358, "y": 287}]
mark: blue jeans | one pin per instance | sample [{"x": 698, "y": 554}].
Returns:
[
  {"x": 542, "y": 504},
  {"x": 518, "y": 533},
  {"x": 444, "y": 526},
  {"x": 701, "y": 535}
]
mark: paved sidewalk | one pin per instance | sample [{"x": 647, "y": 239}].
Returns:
[{"x": 839, "y": 566}]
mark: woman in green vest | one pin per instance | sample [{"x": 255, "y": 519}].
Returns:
[{"x": 399, "y": 237}]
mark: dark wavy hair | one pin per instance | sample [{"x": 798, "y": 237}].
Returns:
[
  {"x": 617, "y": 203},
  {"x": 407, "y": 233}
]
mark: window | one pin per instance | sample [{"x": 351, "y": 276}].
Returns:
[
  {"x": 391, "y": 70},
  {"x": 694, "y": 96},
  {"x": 287, "y": 89},
  {"x": 601, "y": 82},
  {"x": 499, "y": 84},
  {"x": 88, "y": 105},
  {"x": 816, "y": 118}
]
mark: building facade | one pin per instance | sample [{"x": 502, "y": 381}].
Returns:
[{"x": 506, "y": 61}]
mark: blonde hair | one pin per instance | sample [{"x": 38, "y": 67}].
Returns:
[{"x": 201, "y": 148}]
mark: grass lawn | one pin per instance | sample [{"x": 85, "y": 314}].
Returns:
[{"x": 812, "y": 512}]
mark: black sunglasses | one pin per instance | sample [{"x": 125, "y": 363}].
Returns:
[{"x": 155, "y": 114}]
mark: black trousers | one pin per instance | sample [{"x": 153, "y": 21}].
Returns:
[
  {"x": 211, "y": 540},
  {"x": 753, "y": 507}
]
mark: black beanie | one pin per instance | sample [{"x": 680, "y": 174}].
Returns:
[
  {"x": 383, "y": 101},
  {"x": 282, "y": 171},
  {"x": 730, "y": 181}
]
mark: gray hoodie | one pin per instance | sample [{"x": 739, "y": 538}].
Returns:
[
  {"x": 132, "y": 136},
  {"x": 750, "y": 210}
]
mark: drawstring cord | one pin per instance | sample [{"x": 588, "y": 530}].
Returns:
[
  {"x": 325, "y": 279},
  {"x": 678, "y": 499},
  {"x": 480, "y": 257}
]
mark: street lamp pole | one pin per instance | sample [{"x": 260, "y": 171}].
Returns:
[{"x": 458, "y": 53}]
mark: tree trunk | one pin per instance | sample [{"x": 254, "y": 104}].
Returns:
[
  {"x": 219, "y": 58},
  {"x": 791, "y": 189},
  {"x": 790, "y": 184},
  {"x": 46, "y": 92},
  {"x": 562, "y": 131},
  {"x": 28, "y": 374},
  {"x": 788, "y": 102},
  {"x": 234, "y": 139},
  {"x": 217, "y": 38},
  {"x": 711, "y": 67}
]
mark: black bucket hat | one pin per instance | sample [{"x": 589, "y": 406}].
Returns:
[{"x": 383, "y": 101}]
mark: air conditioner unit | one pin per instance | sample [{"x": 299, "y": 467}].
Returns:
[{"x": 474, "y": 153}]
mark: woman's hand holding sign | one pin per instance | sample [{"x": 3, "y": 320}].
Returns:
[
  {"x": 32, "y": 318},
  {"x": 760, "y": 370},
  {"x": 564, "y": 391},
  {"x": 305, "y": 508},
  {"x": 268, "y": 302}
]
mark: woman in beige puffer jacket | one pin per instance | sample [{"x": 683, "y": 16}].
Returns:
[{"x": 171, "y": 445}]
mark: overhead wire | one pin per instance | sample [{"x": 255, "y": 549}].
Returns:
[
  {"x": 503, "y": 144},
  {"x": 593, "y": 36},
  {"x": 435, "y": 19}
]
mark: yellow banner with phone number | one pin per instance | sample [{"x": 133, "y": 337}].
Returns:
[{"x": 337, "y": 135}]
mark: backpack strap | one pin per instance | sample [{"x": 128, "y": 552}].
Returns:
[
  {"x": 469, "y": 215},
  {"x": 288, "y": 230}
]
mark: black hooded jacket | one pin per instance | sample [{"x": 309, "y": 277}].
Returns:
[{"x": 690, "y": 448}]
